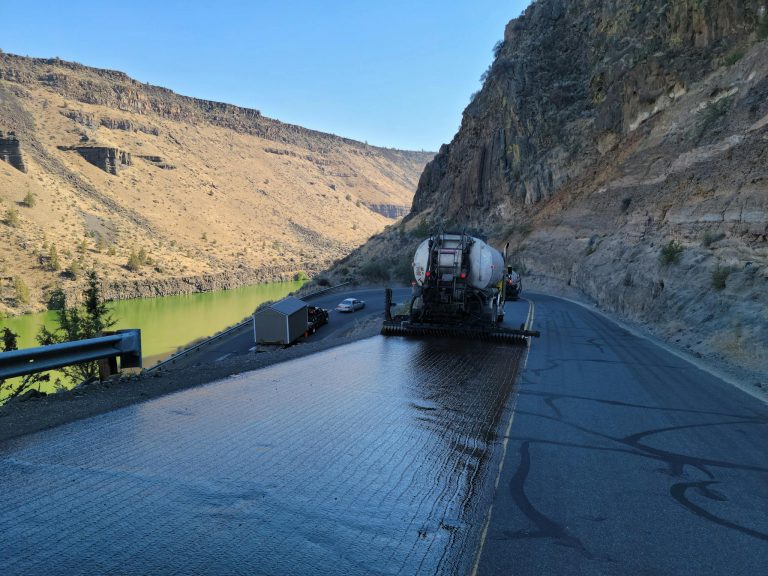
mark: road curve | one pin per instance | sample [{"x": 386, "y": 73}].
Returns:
[{"x": 622, "y": 458}]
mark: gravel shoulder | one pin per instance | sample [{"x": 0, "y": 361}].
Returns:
[{"x": 22, "y": 418}]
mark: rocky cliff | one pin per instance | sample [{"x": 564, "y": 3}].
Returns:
[
  {"x": 622, "y": 147},
  {"x": 163, "y": 193}
]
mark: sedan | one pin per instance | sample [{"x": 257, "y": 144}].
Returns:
[{"x": 350, "y": 305}]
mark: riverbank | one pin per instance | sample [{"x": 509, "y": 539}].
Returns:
[{"x": 33, "y": 415}]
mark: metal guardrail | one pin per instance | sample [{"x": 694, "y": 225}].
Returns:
[
  {"x": 124, "y": 343},
  {"x": 220, "y": 335}
]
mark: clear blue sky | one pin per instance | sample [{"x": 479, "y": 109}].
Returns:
[{"x": 394, "y": 73}]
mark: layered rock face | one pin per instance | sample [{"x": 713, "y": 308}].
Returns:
[
  {"x": 622, "y": 146},
  {"x": 10, "y": 151}
]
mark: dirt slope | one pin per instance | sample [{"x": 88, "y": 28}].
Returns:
[{"x": 214, "y": 194}]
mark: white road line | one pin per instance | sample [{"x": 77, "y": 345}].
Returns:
[
  {"x": 505, "y": 445},
  {"x": 220, "y": 358}
]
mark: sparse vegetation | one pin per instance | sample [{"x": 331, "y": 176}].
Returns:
[
  {"x": 29, "y": 200},
  {"x": 733, "y": 57},
  {"x": 422, "y": 229},
  {"x": 75, "y": 269},
  {"x": 762, "y": 29},
  {"x": 134, "y": 263},
  {"x": 77, "y": 323},
  {"x": 710, "y": 238},
  {"x": 712, "y": 112},
  {"x": 719, "y": 277},
  {"x": 12, "y": 217},
  {"x": 375, "y": 271},
  {"x": 670, "y": 253}
]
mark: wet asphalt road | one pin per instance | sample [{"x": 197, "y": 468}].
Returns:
[
  {"x": 377, "y": 457},
  {"x": 624, "y": 459},
  {"x": 607, "y": 455},
  {"x": 241, "y": 342}
]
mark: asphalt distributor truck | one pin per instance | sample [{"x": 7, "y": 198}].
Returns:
[{"x": 458, "y": 292}]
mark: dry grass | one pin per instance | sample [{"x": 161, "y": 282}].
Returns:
[{"x": 229, "y": 203}]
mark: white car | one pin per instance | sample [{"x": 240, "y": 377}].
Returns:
[{"x": 350, "y": 305}]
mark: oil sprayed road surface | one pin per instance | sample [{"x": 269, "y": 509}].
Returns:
[{"x": 378, "y": 457}]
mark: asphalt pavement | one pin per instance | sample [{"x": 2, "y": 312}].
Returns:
[
  {"x": 376, "y": 457},
  {"x": 623, "y": 458},
  {"x": 593, "y": 451}
]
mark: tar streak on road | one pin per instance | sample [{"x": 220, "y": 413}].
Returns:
[{"x": 376, "y": 457}]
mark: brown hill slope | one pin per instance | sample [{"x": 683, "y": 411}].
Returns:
[
  {"x": 603, "y": 132},
  {"x": 214, "y": 194}
]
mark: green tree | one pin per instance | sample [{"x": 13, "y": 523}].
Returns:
[
  {"x": 10, "y": 340},
  {"x": 53, "y": 259},
  {"x": 75, "y": 268},
  {"x": 22, "y": 290},
  {"x": 670, "y": 253},
  {"x": 76, "y": 323}
]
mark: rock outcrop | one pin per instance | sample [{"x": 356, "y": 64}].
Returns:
[
  {"x": 622, "y": 148},
  {"x": 393, "y": 211},
  {"x": 209, "y": 193},
  {"x": 10, "y": 151},
  {"x": 111, "y": 160}
]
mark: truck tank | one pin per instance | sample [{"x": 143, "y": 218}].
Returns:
[
  {"x": 458, "y": 292},
  {"x": 482, "y": 264}
]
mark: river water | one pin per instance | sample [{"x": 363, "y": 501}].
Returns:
[{"x": 168, "y": 322}]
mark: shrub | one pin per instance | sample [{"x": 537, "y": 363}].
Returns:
[
  {"x": 670, "y": 253},
  {"x": 402, "y": 270},
  {"x": 375, "y": 271},
  {"x": 734, "y": 57},
  {"x": 422, "y": 229},
  {"x": 300, "y": 276},
  {"x": 710, "y": 238},
  {"x": 53, "y": 259},
  {"x": 12, "y": 217},
  {"x": 762, "y": 29},
  {"x": 22, "y": 290},
  {"x": 323, "y": 281},
  {"x": 719, "y": 277},
  {"x": 713, "y": 111},
  {"x": 29, "y": 200},
  {"x": 76, "y": 323},
  {"x": 75, "y": 269},
  {"x": 134, "y": 263},
  {"x": 625, "y": 204}
]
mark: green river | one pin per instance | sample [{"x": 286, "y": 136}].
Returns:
[{"x": 169, "y": 322}]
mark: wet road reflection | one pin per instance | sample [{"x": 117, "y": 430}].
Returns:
[{"x": 373, "y": 458}]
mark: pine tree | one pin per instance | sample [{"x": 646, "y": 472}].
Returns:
[{"x": 53, "y": 259}]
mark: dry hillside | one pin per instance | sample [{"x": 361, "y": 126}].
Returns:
[
  {"x": 622, "y": 148},
  {"x": 206, "y": 195}
]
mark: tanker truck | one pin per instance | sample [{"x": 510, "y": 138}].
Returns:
[{"x": 458, "y": 291}]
